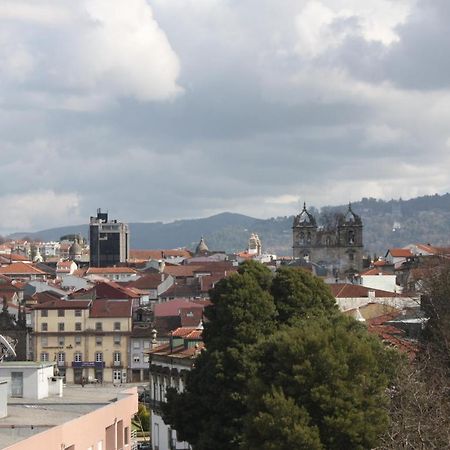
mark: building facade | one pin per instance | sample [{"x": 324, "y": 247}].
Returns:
[
  {"x": 169, "y": 365},
  {"x": 109, "y": 241},
  {"x": 337, "y": 247},
  {"x": 88, "y": 339}
]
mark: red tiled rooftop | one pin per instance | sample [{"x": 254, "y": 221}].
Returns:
[
  {"x": 173, "y": 307},
  {"x": 20, "y": 268},
  {"x": 108, "y": 270},
  {"x": 63, "y": 304},
  {"x": 347, "y": 290},
  {"x": 110, "y": 308},
  {"x": 400, "y": 252},
  {"x": 159, "y": 254}
]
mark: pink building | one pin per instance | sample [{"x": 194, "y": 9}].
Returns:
[{"x": 87, "y": 418}]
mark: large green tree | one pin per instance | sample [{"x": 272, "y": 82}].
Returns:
[
  {"x": 209, "y": 413},
  {"x": 330, "y": 375},
  {"x": 282, "y": 369}
]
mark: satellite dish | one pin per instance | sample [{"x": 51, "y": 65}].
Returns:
[{"x": 6, "y": 347}]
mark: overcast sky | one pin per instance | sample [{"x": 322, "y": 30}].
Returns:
[{"x": 184, "y": 108}]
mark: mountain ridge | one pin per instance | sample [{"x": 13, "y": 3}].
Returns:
[{"x": 393, "y": 223}]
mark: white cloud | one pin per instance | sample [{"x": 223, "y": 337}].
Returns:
[
  {"x": 35, "y": 210},
  {"x": 86, "y": 54},
  {"x": 324, "y": 24}
]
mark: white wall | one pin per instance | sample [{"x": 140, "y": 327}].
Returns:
[
  {"x": 381, "y": 282},
  {"x": 396, "y": 302}
]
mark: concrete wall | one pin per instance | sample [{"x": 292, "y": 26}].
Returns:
[
  {"x": 3, "y": 398},
  {"x": 35, "y": 378},
  {"x": 89, "y": 430}
]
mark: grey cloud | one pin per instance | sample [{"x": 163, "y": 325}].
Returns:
[{"x": 247, "y": 127}]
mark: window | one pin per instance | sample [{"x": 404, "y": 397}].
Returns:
[
  {"x": 44, "y": 326},
  {"x": 44, "y": 356},
  {"x": 126, "y": 433},
  {"x": 117, "y": 357},
  {"x": 44, "y": 313},
  {"x": 136, "y": 358},
  {"x": 98, "y": 356},
  {"x": 146, "y": 344},
  {"x": 136, "y": 344},
  {"x": 77, "y": 326},
  {"x": 78, "y": 357},
  {"x": 61, "y": 341},
  {"x": 117, "y": 339},
  {"x": 77, "y": 340},
  {"x": 98, "y": 340},
  {"x": 61, "y": 358},
  {"x": 44, "y": 341},
  {"x": 61, "y": 326},
  {"x": 78, "y": 313},
  {"x": 98, "y": 326},
  {"x": 116, "y": 326},
  {"x": 61, "y": 312},
  {"x": 146, "y": 358}
]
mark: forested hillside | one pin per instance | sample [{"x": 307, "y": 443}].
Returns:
[{"x": 393, "y": 223}]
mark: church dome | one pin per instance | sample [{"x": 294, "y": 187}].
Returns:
[
  {"x": 201, "y": 247},
  {"x": 75, "y": 249}
]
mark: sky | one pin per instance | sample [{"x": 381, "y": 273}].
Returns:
[{"x": 168, "y": 109}]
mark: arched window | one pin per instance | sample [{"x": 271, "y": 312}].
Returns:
[
  {"x": 308, "y": 238},
  {"x": 351, "y": 237}
]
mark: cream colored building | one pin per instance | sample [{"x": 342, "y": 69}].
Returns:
[{"x": 88, "y": 339}]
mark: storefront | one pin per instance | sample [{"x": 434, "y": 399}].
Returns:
[{"x": 90, "y": 371}]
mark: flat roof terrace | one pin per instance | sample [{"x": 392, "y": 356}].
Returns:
[{"x": 27, "y": 417}]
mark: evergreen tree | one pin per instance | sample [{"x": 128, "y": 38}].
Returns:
[
  {"x": 330, "y": 375},
  {"x": 282, "y": 369}
]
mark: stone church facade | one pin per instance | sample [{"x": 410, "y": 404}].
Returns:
[{"x": 337, "y": 247}]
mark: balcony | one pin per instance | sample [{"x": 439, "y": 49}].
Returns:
[{"x": 117, "y": 364}]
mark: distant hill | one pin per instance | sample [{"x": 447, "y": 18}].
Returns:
[{"x": 387, "y": 224}]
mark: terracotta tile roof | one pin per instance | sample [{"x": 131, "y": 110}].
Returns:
[
  {"x": 149, "y": 281},
  {"x": 111, "y": 290},
  {"x": 17, "y": 257},
  {"x": 20, "y": 268},
  {"x": 63, "y": 304},
  {"x": 207, "y": 282},
  {"x": 64, "y": 265},
  {"x": 186, "y": 270},
  {"x": 379, "y": 263},
  {"x": 432, "y": 249},
  {"x": 178, "y": 352},
  {"x": 109, "y": 270},
  {"x": 347, "y": 290},
  {"x": 110, "y": 308},
  {"x": 400, "y": 252},
  {"x": 391, "y": 334},
  {"x": 184, "y": 331},
  {"x": 159, "y": 254},
  {"x": 45, "y": 297},
  {"x": 374, "y": 271},
  {"x": 173, "y": 307}
]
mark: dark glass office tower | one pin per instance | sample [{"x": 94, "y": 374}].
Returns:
[{"x": 109, "y": 241}]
